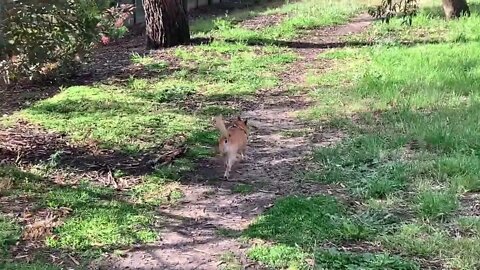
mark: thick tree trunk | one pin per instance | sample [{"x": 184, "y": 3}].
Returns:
[
  {"x": 2, "y": 25},
  {"x": 166, "y": 22},
  {"x": 4, "y": 77},
  {"x": 455, "y": 8}
]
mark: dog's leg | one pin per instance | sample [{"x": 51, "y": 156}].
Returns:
[
  {"x": 244, "y": 156},
  {"x": 230, "y": 160},
  {"x": 227, "y": 165}
]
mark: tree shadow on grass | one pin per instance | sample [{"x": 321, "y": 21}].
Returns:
[
  {"x": 87, "y": 220},
  {"x": 108, "y": 67},
  {"x": 83, "y": 217}
]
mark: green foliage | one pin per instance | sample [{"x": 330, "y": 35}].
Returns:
[
  {"x": 406, "y": 9},
  {"x": 9, "y": 233},
  {"x": 41, "y": 37}
]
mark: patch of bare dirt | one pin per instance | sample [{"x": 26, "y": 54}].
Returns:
[
  {"x": 470, "y": 204},
  {"x": 197, "y": 232},
  {"x": 261, "y": 22}
]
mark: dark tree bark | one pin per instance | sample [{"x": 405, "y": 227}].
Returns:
[
  {"x": 166, "y": 23},
  {"x": 2, "y": 38},
  {"x": 455, "y": 8}
]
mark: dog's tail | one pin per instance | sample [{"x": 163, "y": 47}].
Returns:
[{"x": 220, "y": 124}]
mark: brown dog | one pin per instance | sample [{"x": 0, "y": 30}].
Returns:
[{"x": 232, "y": 142}]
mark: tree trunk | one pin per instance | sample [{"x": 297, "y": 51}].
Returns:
[
  {"x": 455, "y": 8},
  {"x": 2, "y": 38},
  {"x": 166, "y": 22},
  {"x": 4, "y": 76}
]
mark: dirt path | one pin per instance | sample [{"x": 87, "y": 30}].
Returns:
[{"x": 197, "y": 232}]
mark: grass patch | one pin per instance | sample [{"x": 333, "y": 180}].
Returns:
[
  {"x": 279, "y": 256},
  {"x": 230, "y": 262},
  {"x": 470, "y": 224},
  {"x": 433, "y": 204},
  {"x": 149, "y": 63},
  {"x": 296, "y": 17},
  {"x": 27, "y": 266},
  {"x": 235, "y": 69},
  {"x": 333, "y": 259},
  {"x": 242, "y": 189},
  {"x": 307, "y": 222},
  {"x": 108, "y": 225},
  {"x": 155, "y": 192},
  {"x": 9, "y": 233},
  {"x": 113, "y": 118},
  {"x": 428, "y": 241},
  {"x": 411, "y": 113},
  {"x": 428, "y": 26},
  {"x": 100, "y": 218}
]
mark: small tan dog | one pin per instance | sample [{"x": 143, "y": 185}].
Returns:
[{"x": 232, "y": 142}]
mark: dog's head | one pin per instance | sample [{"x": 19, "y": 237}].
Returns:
[{"x": 241, "y": 123}]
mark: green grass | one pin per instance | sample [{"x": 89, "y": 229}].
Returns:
[
  {"x": 279, "y": 256},
  {"x": 172, "y": 106},
  {"x": 333, "y": 259},
  {"x": 234, "y": 69},
  {"x": 307, "y": 221},
  {"x": 286, "y": 257},
  {"x": 470, "y": 225},
  {"x": 296, "y": 17},
  {"x": 230, "y": 262},
  {"x": 106, "y": 225},
  {"x": 428, "y": 26},
  {"x": 100, "y": 218},
  {"x": 112, "y": 117},
  {"x": 411, "y": 115},
  {"x": 9, "y": 233},
  {"x": 433, "y": 204},
  {"x": 28, "y": 266},
  {"x": 243, "y": 189},
  {"x": 428, "y": 241},
  {"x": 145, "y": 113}
]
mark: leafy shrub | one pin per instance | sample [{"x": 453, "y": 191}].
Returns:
[{"x": 41, "y": 36}]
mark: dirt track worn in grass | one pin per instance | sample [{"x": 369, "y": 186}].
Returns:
[{"x": 213, "y": 212}]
